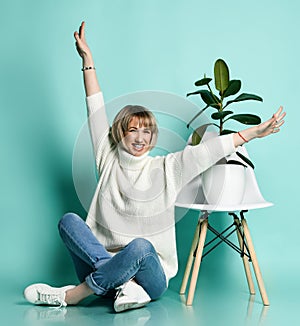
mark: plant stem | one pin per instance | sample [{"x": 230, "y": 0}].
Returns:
[
  {"x": 213, "y": 95},
  {"x": 221, "y": 120}
]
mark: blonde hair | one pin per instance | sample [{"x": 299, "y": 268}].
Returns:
[{"x": 123, "y": 118}]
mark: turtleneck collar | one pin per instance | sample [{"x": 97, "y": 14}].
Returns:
[{"x": 130, "y": 161}]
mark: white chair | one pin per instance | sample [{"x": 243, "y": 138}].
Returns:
[{"x": 192, "y": 197}]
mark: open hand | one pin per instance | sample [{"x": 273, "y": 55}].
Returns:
[
  {"x": 81, "y": 44},
  {"x": 272, "y": 125}
]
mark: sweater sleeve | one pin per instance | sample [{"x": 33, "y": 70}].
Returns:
[
  {"x": 185, "y": 165},
  {"x": 99, "y": 127}
]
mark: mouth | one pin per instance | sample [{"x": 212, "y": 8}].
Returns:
[{"x": 138, "y": 147}]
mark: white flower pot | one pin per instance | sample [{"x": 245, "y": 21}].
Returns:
[{"x": 224, "y": 184}]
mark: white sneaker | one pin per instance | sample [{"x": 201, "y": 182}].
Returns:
[
  {"x": 44, "y": 294},
  {"x": 130, "y": 295}
]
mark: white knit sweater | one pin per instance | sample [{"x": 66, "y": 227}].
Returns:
[{"x": 135, "y": 196}]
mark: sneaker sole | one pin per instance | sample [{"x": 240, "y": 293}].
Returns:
[{"x": 130, "y": 305}]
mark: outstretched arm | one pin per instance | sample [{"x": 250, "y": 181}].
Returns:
[
  {"x": 264, "y": 129},
  {"x": 91, "y": 84}
]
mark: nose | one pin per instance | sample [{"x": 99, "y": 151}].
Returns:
[{"x": 139, "y": 136}]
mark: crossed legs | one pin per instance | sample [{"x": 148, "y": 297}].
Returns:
[{"x": 99, "y": 272}]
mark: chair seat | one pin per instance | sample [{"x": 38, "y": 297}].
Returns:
[{"x": 192, "y": 196}]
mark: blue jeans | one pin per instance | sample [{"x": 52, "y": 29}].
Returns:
[{"x": 103, "y": 272}]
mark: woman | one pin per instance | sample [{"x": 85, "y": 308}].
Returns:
[{"x": 128, "y": 240}]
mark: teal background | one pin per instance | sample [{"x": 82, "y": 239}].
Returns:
[{"x": 137, "y": 46}]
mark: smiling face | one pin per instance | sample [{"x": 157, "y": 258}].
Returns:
[
  {"x": 137, "y": 138},
  {"x": 135, "y": 129}
]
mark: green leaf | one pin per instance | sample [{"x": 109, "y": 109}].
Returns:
[
  {"x": 245, "y": 159},
  {"x": 194, "y": 93},
  {"x": 245, "y": 97},
  {"x": 203, "y": 81},
  {"x": 220, "y": 115},
  {"x": 197, "y": 115},
  {"x": 233, "y": 87},
  {"x": 196, "y": 139},
  {"x": 247, "y": 119},
  {"x": 221, "y": 73},
  {"x": 227, "y": 131},
  {"x": 208, "y": 98},
  {"x": 237, "y": 163},
  {"x": 198, "y": 134}
]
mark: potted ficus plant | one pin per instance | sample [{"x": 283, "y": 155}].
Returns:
[{"x": 219, "y": 102}]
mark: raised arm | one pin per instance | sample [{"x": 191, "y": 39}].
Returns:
[
  {"x": 97, "y": 119},
  {"x": 91, "y": 84}
]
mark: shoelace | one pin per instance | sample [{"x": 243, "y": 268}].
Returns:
[
  {"x": 52, "y": 299},
  {"x": 119, "y": 291}
]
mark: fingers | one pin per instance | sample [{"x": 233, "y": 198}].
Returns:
[
  {"x": 282, "y": 116},
  {"x": 81, "y": 30},
  {"x": 278, "y": 125},
  {"x": 76, "y": 36},
  {"x": 275, "y": 130},
  {"x": 279, "y": 115},
  {"x": 278, "y": 111},
  {"x": 80, "y": 35},
  {"x": 277, "y": 120}
]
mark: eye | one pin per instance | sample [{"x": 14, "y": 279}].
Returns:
[{"x": 147, "y": 131}]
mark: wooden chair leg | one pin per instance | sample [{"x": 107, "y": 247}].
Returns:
[
  {"x": 245, "y": 261},
  {"x": 190, "y": 260},
  {"x": 256, "y": 268},
  {"x": 197, "y": 262}
]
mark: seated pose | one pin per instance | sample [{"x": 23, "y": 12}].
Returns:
[{"x": 127, "y": 243}]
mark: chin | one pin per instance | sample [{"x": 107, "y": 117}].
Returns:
[
  {"x": 135, "y": 153},
  {"x": 139, "y": 153}
]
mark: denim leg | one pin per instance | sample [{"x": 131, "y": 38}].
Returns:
[
  {"x": 100, "y": 270},
  {"x": 137, "y": 260},
  {"x": 86, "y": 251}
]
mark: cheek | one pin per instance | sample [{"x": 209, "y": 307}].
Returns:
[
  {"x": 128, "y": 138},
  {"x": 126, "y": 141},
  {"x": 148, "y": 138}
]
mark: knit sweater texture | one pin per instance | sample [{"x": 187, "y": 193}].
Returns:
[{"x": 135, "y": 196}]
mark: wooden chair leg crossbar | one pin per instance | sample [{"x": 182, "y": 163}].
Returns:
[{"x": 245, "y": 249}]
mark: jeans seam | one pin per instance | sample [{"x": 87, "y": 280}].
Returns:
[
  {"x": 115, "y": 282},
  {"x": 138, "y": 262},
  {"x": 156, "y": 258},
  {"x": 77, "y": 245},
  {"x": 125, "y": 277}
]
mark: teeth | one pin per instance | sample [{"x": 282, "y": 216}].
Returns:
[{"x": 138, "y": 146}]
